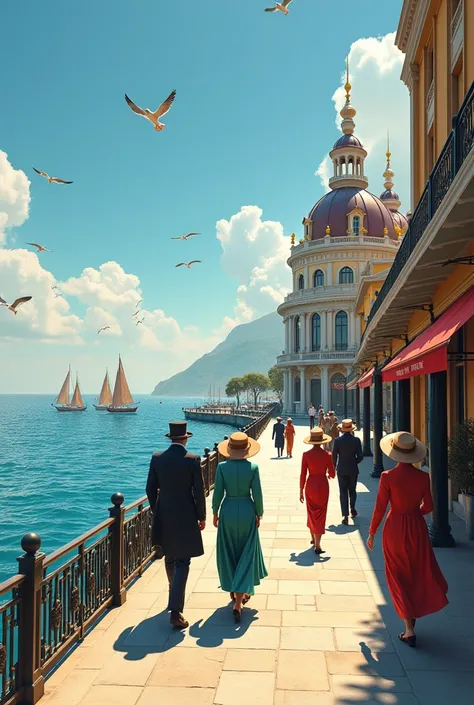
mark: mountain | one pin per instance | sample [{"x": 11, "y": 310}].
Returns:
[{"x": 250, "y": 347}]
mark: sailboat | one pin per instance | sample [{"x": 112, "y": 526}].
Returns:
[
  {"x": 62, "y": 402},
  {"x": 105, "y": 396},
  {"x": 122, "y": 400}
]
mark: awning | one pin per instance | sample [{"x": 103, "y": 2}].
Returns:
[
  {"x": 428, "y": 353},
  {"x": 366, "y": 379},
  {"x": 352, "y": 384}
]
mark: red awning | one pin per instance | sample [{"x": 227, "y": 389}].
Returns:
[
  {"x": 352, "y": 384},
  {"x": 366, "y": 379},
  {"x": 428, "y": 353}
]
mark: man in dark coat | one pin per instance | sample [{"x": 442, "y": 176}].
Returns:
[
  {"x": 279, "y": 436},
  {"x": 175, "y": 490},
  {"x": 347, "y": 454}
]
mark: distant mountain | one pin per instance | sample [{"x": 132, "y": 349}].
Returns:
[{"x": 251, "y": 347}]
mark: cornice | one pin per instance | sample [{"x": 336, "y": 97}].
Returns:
[{"x": 410, "y": 28}]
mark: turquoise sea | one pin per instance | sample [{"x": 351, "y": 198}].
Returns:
[{"x": 58, "y": 470}]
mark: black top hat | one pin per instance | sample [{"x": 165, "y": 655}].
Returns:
[{"x": 178, "y": 430}]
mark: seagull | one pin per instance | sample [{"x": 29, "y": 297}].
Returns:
[
  {"x": 138, "y": 303},
  {"x": 52, "y": 179},
  {"x": 185, "y": 237},
  {"x": 16, "y": 304},
  {"x": 280, "y": 6},
  {"x": 153, "y": 117},
  {"x": 3, "y": 302},
  {"x": 188, "y": 264},
  {"x": 101, "y": 329},
  {"x": 138, "y": 322},
  {"x": 57, "y": 296},
  {"x": 40, "y": 247},
  {"x": 136, "y": 313},
  {"x": 54, "y": 287}
]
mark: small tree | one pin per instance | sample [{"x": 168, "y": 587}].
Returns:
[
  {"x": 256, "y": 383},
  {"x": 461, "y": 457},
  {"x": 275, "y": 375},
  {"x": 235, "y": 387}
]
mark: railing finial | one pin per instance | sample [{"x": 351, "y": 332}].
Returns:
[{"x": 31, "y": 543}]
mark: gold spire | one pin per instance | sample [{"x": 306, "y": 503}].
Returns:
[
  {"x": 348, "y": 111},
  {"x": 388, "y": 173},
  {"x": 348, "y": 86},
  {"x": 388, "y": 153}
]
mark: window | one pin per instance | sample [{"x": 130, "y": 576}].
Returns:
[
  {"x": 297, "y": 334},
  {"x": 356, "y": 225},
  {"x": 297, "y": 389},
  {"x": 341, "y": 330},
  {"x": 316, "y": 332},
  {"x": 301, "y": 282},
  {"x": 346, "y": 275},
  {"x": 318, "y": 278}
]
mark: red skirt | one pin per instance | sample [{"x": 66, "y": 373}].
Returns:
[
  {"x": 414, "y": 578},
  {"x": 317, "y": 496}
]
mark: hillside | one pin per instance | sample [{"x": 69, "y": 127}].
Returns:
[{"x": 251, "y": 347}]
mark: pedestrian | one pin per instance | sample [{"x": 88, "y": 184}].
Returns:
[
  {"x": 414, "y": 578},
  {"x": 346, "y": 455},
  {"x": 312, "y": 415},
  {"x": 321, "y": 417},
  {"x": 316, "y": 467},
  {"x": 237, "y": 505},
  {"x": 333, "y": 430},
  {"x": 279, "y": 435},
  {"x": 175, "y": 490},
  {"x": 290, "y": 437}
]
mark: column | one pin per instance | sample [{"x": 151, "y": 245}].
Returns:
[
  {"x": 303, "y": 317},
  {"x": 287, "y": 335},
  {"x": 325, "y": 388},
  {"x": 403, "y": 405},
  {"x": 303, "y": 389},
  {"x": 323, "y": 316},
  {"x": 345, "y": 398},
  {"x": 306, "y": 277},
  {"x": 394, "y": 407},
  {"x": 329, "y": 273},
  {"x": 357, "y": 324},
  {"x": 309, "y": 332},
  {"x": 291, "y": 391},
  {"x": 378, "y": 424},
  {"x": 352, "y": 338},
  {"x": 439, "y": 529},
  {"x": 285, "y": 392},
  {"x": 366, "y": 436},
  {"x": 357, "y": 406},
  {"x": 329, "y": 330}
]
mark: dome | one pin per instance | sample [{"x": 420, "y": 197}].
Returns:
[
  {"x": 389, "y": 195},
  {"x": 333, "y": 208},
  {"x": 400, "y": 220},
  {"x": 348, "y": 141}
]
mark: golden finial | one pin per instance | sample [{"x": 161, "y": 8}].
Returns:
[
  {"x": 348, "y": 86},
  {"x": 293, "y": 238},
  {"x": 328, "y": 229},
  {"x": 388, "y": 153},
  {"x": 398, "y": 230},
  {"x": 301, "y": 242},
  {"x": 385, "y": 230}
]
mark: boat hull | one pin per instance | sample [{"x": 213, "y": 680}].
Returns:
[
  {"x": 100, "y": 407},
  {"x": 70, "y": 408},
  {"x": 122, "y": 409}
]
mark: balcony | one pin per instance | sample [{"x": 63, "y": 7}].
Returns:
[
  {"x": 319, "y": 356},
  {"x": 457, "y": 34},
  {"x": 319, "y": 293}
]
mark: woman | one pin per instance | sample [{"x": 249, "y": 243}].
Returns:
[
  {"x": 321, "y": 418},
  {"x": 318, "y": 463},
  {"x": 279, "y": 435},
  {"x": 289, "y": 437},
  {"x": 238, "y": 496},
  {"x": 414, "y": 578}
]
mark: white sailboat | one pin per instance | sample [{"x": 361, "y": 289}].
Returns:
[
  {"x": 122, "y": 400},
  {"x": 62, "y": 402},
  {"x": 105, "y": 396}
]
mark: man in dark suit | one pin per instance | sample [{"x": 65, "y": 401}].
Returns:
[
  {"x": 347, "y": 454},
  {"x": 175, "y": 490}
]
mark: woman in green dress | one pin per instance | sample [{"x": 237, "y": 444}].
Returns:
[{"x": 237, "y": 505}]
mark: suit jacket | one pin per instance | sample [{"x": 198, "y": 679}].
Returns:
[
  {"x": 175, "y": 490},
  {"x": 278, "y": 434},
  {"x": 347, "y": 454}
]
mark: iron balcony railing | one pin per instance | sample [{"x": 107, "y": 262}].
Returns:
[{"x": 457, "y": 147}]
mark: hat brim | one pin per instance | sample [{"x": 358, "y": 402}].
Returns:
[
  {"x": 345, "y": 430},
  {"x": 326, "y": 439},
  {"x": 251, "y": 450},
  {"x": 178, "y": 438},
  {"x": 415, "y": 456},
  {"x": 279, "y": 418}
]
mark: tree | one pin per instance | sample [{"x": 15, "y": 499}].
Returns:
[
  {"x": 275, "y": 375},
  {"x": 256, "y": 383},
  {"x": 235, "y": 387}
]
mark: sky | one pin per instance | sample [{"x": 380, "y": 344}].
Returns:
[{"x": 242, "y": 159}]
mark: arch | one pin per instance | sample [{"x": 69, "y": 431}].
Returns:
[
  {"x": 346, "y": 274},
  {"x": 342, "y": 330},
  {"x": 356, "y": 224},
  {"x": 301, "y": 282},
  {"x": 316, "y": 332},
  {"x": 318, "y": 278},
  {"x": 297, "y": 334},
  {"x": 297, "y": 389}
]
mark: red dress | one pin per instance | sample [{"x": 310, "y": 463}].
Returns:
[
  {"x": 318, "y": 463},
  {"x": 414, "y": 578}
]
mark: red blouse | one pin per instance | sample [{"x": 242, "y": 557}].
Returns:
[{"x": 317, "y": 462}]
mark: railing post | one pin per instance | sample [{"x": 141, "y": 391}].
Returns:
[
  {"x": 207, "y": 452},
  {"x": 117, "y": 513},
  {"x": 430, "y": 197},
  {"x": 455, "y": 151},
  {"x": 29, "y": 643}
]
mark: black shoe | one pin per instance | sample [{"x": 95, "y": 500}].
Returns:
[
  {"x": 409, "y": 640},
  {"x": 345, "y": 521},
  {"x": 178, "y": 621},
  {"x": 354, "y": 513},
  {"x": 237, "y": 615},
  {"x": 318, "y": 551}
]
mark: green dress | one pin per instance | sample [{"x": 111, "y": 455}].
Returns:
[{"x": 238, "y": 493}]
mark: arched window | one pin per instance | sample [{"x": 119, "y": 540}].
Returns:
[
  {"x": 297, "y": 389},
  {"x": 297, "y": 334},
  {"x": 346, "y": 275},
  {"x": 341, "y": 330},
  {"x": 356, "y": 225},
  {"x": 301, "y": 282},
  {"x": 318, "y": 278},
  {"x": 316, "y": 332},
  {"x": 337, "y": 393}
]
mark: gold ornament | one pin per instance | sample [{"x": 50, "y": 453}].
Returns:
[
  {"x": 328, "y": 229},
  {"x": 385, "y": 230},
  {"x": 293, "y": 238}
]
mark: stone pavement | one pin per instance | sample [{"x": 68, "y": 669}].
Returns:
[{"x": 318, "y": 631}]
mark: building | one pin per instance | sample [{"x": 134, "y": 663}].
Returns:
[
  {"x": 350, "y": 235},
  {"x": 419, "y": 333}
]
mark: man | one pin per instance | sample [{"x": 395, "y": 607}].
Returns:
[
  {"x": 175, "y": 490},
  {"x": 311, "y": 414},
  {"x": 279, "y": 435},
  {"x": 347, "y": 454}
]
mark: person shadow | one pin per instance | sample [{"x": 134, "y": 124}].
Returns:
[
  {"x": 342, "y": 529},
  {"x": 308, "y": 558}
]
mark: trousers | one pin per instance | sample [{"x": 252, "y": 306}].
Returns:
[
  {"x": 177, "y": 571},
  {"x": 347, "y": 493},
  {"x": 311, "y": 421}
]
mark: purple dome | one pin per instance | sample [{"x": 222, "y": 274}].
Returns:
[
  {"x": 389, "y": 196},
  {"x": 400, "y": 220},
  {"x": 332, "y": 209},
  {"x": 348, "y": 141}
]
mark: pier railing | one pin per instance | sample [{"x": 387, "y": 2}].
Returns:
[{"x": 54, "y": 600}]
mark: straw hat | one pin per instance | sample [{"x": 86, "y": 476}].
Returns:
[
  {"x": 278, "y": 418},
  {"x": 404, "y": 447},
  {"x": 317, "y": 437},
  {"x": 289, "y": 420},
  {"x": 238, "y": 447},
  {"x": 330, "y": 413},
  {"x": 347, "y": 425}
]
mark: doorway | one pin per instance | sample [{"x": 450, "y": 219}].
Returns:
[{"x": 315, "y": 392}]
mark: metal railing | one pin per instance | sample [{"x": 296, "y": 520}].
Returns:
[{"x": 256, "y": 428}]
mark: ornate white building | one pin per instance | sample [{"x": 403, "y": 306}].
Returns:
[{"x": 349, "y": 235}]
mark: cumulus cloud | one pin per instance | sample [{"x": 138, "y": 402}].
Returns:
[
  {"x": 14, "y": 196},
  {"x": 382, "y": 103}
]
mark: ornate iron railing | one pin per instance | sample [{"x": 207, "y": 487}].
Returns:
[
  {"x": 257, "y": 427},
  {"x": 9, "y": 629}
]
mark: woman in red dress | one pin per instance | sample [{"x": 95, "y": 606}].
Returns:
[
  {"x": 290, "y": 437},
  {"x": 414, "y": 578},
  {"x": 316, "y": 467}
]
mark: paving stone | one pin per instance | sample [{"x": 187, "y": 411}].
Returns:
[
  {"x": 130, "y": 668},
  {"x": 307, "y": 638},
  {"x": 286, "y": 697},
  {"x": 362, "y": 688},
  {"x": 250, "y": 660},
  {"x": 302, "y": 670},
  {"x": 384, "y": 665},
  {"x": 245, "y": 687},
  {"x": 305, "y": 600},
  {"x": 281, "y": 602},
  {"x": 111, "y": 694},
  {"x": 333, "y": 587},
  {"x": 299, "y": 587},
  {"x": 176, "y": 696},
  {"x": 193, "y": 668},
  {"x": 442, "y": 688},
  {"x": 339, "y": 603},
  {"x": 73, "y": 689}
]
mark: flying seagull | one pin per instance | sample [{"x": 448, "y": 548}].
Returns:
[
  {"x": 3, "y": 302},
  {"x": 153, "y": 117},
  {"x": 57, "y": 296},
  {"x": 188, "y": 264},
  {"x": 16, "y": 304},
  {"x": 101, "y": 329},
  {"x": 54, "y": 287},
  {"x": 39, "y": 247},
  {"x": 51, "y": 179},
  {"x": 185, "y": 237},
  {"x": 280, "y": 6},
  {"x": 138, "y": 322},
  {"x": 138, "y": 303},
  {"x": 136, "y": 313}
]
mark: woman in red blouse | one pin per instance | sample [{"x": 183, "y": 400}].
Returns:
[
  {"x": 316, "y": 467},
  {"x": 414, "y": 578}
]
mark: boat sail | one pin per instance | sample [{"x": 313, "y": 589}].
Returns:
[
  {"x": 62, "y": 402},
  {"x": 105, "y": 396},
  {"x": 122, "y": 400}
]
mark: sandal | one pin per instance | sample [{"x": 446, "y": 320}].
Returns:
[
  {"x": 409, "y": 640},
  {"x": 318, "y": 551},
  {"x": 237, "y": 615},
  {"x": 246, "y": 599}
]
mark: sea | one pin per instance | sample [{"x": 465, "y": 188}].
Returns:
[{"x": 59, "y": 470}]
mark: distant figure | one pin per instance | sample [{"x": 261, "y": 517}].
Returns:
[
  {"x": 175, "y": 490},
  {"x": 290, "y": 437},
  {"x": 333, "y": 430},
  {"x": 414, "y": 578},
  {"x": 346, "y": 455},
  {"x": 318, "y": 463},
  {"x": 312, "y": 415},
  {"x": 321, "y": 417},
  {"x": 226, "y": 438},
  {"x": 279, "y": 435}
]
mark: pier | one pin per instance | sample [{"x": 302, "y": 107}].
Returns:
[{"x": 226, "y": 415}]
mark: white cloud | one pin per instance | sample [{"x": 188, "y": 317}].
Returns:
[
  {"x": 382, "y": 104},
  {"x": 109, "y": 285},
  {"x": 14, "y": 196}
]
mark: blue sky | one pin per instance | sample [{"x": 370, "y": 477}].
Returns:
[{"x": 252, "y": 120}]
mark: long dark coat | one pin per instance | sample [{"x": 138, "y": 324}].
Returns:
[
  {"x": 175, "y": 490},
  {"x": 279, "y": 434}
]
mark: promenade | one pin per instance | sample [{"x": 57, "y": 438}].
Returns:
[{"x": 319, "y": 631}]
